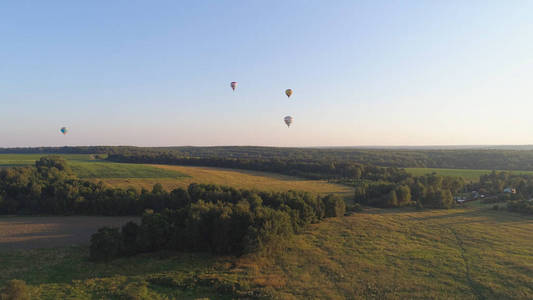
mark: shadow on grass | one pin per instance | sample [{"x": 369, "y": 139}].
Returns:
[{"x": 64, "y": 265}]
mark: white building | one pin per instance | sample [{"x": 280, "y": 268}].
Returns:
[{"x": 509, "y": 190}]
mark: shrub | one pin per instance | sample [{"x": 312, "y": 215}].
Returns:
[
  {"x": 495, "y": 207},
  {"x": 354, "y": 208},
  {"x": 15, "y": 290},
  {"x": 106, "y": 244},
  {"x": 134, "y": 291}
]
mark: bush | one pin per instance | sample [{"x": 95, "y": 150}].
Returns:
[
  {"x": 495, "y": 207},
  {"x": 134, "y": 291},
  {"x": 15, "y": 290},
  {"x": 354, "y": 208},
  {"x": 106, "y": 244}
]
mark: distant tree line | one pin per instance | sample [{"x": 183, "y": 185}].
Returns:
[
  {"x": 64, "y": 150},
  {"x": 306, "y": 168},
  {"x": 490, "y": 159}
]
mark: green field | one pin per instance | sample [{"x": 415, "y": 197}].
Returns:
[
  {"x": 7, "y": 160},
  {"x": 466, "y": 253},
  {"x": 87, "y": 166},
  {"x": 468, "y": 174}
]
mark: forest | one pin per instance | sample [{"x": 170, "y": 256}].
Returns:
[{"x": 518, "y": 158}]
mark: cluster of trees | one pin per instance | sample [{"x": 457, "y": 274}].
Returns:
[
  {"x": 50, "y": 187},
  {"x": 495, "y": 182},
  {"x": 426, "y": 191},
  {"x": 218, "y": 219},
  {"x": 520, "y": 200}
]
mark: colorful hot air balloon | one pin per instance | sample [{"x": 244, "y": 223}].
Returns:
[
  {"x": 288, "y": 92},
  {"x": 233, "y": 85},
  {"x": 63, "y": 130},
  {"x": 288, "y": 120}
]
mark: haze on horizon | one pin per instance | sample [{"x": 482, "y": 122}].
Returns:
[{"x": 157, "y": 73}]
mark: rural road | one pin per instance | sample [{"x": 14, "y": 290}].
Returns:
[{"x": 50, "y": 232}]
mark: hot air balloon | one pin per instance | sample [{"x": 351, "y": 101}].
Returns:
[
  {"x": 233, "y": 85},
  {"x": 288, "y": 120},
  {"x": 288, "y": 92},
  {"x": 63, "y": 130}
]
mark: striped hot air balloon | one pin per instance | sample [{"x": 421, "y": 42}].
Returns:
[
  {"x": 63, "y": 130},
  {"x": 288, "y": 92}
]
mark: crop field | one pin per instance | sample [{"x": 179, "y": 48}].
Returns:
[
  {"x": 468, "y": 174},
  {"x": 465, "y": 253}
]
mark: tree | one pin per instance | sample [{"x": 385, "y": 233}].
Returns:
[
  {"x": 53, "y": 167},
  {"x": 404, "y": 195},
  {"x": 392, "y": 199},
  {"x": 154, "y": 232},
  {"x": 130, "y": 232},
  {"x": 106, "y": 244},
  {"x": 445, "y": 199},
  {"x": 334, "y": 206}
]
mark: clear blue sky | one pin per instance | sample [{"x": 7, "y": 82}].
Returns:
[{"x": 156, "y": 73}]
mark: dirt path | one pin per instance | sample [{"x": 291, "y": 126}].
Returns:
[{"x": 49, "y": 232}]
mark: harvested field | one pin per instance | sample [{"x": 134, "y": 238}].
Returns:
[
  {"x": 242, "y": 179},
  {"x": 49, "y": 232}
]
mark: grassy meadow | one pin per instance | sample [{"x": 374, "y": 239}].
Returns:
[{"x": 471, "y": 252}]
